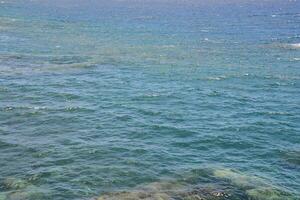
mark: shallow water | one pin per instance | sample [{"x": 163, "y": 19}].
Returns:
[{"x": 97, "y": 98}]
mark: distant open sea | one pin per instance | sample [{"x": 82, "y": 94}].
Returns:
[{"x": 149, "y": 100}]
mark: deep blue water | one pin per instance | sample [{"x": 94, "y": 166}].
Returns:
[{"x": 98, "y": 97}]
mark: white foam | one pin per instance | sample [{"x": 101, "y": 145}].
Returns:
[{"x": 295, "y": 45}]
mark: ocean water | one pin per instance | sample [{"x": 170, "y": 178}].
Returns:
[{"x": 149, "y": 100}]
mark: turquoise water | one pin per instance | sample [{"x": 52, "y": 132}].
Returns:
[{"x": 98, "y": 98}]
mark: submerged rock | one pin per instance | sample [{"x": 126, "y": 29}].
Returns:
[
  {"x": 135, "y": 195},
  {"x": 254, "y": 187},
  {"x": 220, "y": 184},
  {"x": 291, "y": 157},
  {"x": 21, "y": 189},
  {"x": 268, "y": 193},
  {"x": 14, "y": 184},
  {"x": 205, "y": 194},
  {"x": 2, "y": 196},
  {"x": 168, "y": 191},
  {"x": 153, "y": 191},
  {"x": 29, "y": 192},
  {"x": 195, "y": 194},
  {"x": 239, "y": 179},
  {"x": 164, "y": 186}
]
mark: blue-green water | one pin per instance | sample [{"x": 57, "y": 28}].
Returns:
[{"x": 98, "y": 97}]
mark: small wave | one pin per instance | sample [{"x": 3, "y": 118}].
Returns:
[
  {"x": 168, "y": 46},
  {"x": 152, "y": 96},
  {"x": 23, "y": 111},
  {"x": 204, "y": 30},
  {"x": 69, "y": 59},
  {"x": 174, "y": 130},
  {"x": 4, "y": 144},
  {"x": 291, "y": 46},
  {"x": 144, "y": 18},
  {"x": 296, "y": 45},
  {"x": 217, "y": 78},
  {"x": 292, "y": 157},
  {"x": 40, "y": 109},
  {"x": 11, "y": 108}
]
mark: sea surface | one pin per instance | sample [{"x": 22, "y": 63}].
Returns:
[{"x": 153, "y": 99}]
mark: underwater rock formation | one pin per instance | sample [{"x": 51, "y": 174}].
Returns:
[
  {"x": 219, "y": 184},
  {"x": 201, "y": 184},
  {"x": 13, "y": 183},
  {"x": 239, "y": 179},
  {"x": 268, "y": 193},
  {"x": 135, "y": 195},
  {"x": 19, "y": 189}
]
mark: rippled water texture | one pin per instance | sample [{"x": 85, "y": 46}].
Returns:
[{"x": 182, "y": 100}]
